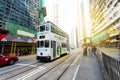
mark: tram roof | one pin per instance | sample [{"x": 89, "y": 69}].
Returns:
[{"x": 55, "y": 26}]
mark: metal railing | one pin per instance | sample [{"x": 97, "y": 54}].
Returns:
[
  {"x": 109, "y": 65},
  {"x": 112, "y": 67}
]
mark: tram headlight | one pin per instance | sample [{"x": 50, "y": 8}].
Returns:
[{"x": 41, "y": 53}]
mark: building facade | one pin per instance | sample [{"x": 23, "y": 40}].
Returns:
[
  {"x": 53, "y": 11},
  {"x": 105, "y": 20},
  {"x": 21, "y": 18},
  {"x": 73, "y": 37},
  {"x": 83, "y": 25},
  {"x": 21, "y": 12}
]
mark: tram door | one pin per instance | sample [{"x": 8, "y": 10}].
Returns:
[{"x": 53, "y": 46}]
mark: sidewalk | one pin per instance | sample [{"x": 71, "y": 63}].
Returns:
[
  {"x": 89, "y": 69},
  {"x": 113, "y": 52},
  {"x": 27, "y": 57}
]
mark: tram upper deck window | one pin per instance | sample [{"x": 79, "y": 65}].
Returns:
[
  {"x": 42, "y": 28},
  {"x": 47, "y": 27}
]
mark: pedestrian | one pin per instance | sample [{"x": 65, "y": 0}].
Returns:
[
  {"x": 85, "y": 51},
  {"x": 94, "y": 49},
  {"x": 18, "y": 53},
  {"x": 90, "y": 51},
  {"x": 118, "y": 46}
]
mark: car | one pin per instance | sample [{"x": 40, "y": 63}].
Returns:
[{"x": 7, "y": 60}]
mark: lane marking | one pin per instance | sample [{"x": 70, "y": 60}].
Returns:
[
  {"x": 68, "y": 59},
  {"x": 40, "y": 68},
  {"x": 76, "y": 59},
  {"x": 1, "y": 77},
  {"x": 76, "y": 72},
  {"x": 77, "y": 68},
  {"x": 26, "y": 65},
  {"x": 60, "y": 59},
  {"x": 15, "y": 68}
]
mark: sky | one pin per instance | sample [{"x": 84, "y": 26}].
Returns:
[
  {"x": 67, "y": 16},
  {"x": 68, "y": 11}
]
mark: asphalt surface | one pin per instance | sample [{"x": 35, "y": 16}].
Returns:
[
  {"x": 89, "y": 69},
  {"x": 69, "y": 67}
]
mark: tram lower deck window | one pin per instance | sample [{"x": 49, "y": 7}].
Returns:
[
  {"x": 43, "y": 43},
  {"x": 46, "y": 43}
]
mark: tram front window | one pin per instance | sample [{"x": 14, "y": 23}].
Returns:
[
  {"x": 42, "y": 28},
  {"x": 41, "y": 43}
]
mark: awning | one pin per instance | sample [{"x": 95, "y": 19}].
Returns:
[
  {"x": 19, "y": 39},
  {"x": 2, "y": 36}
]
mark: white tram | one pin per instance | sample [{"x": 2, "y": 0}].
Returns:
[{"x": 52, "y": 42}]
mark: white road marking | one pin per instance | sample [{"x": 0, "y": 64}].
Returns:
[
  {"x": 40, "y": 68},
  {"x": 15, "y": 68},
  {"x": 77, "y": 69},
  {"x": 21, "y": 64},
  {"x": 1, "y": 77},
  {"x": 76, "y": 72}
]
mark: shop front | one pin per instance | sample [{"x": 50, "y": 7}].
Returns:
[
  {"x": 20, "y": 40},
  {"x": 114, "y": 35}
]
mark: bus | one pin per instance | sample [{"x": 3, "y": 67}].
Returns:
[{"x": 52, "y": 42}]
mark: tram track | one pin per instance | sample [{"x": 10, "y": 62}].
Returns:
[
  {"x": 72, "y": 62},
  {"x": 68, "y": 64},
  {"x": 19, "y": 71},
  {"x": 49, "y": 70},
  {"x": 13, "y": 69},
  {"x": 29, "y": 72},
  {"x": 44, "y": 69},
  {"x": 64, "y": 71},
  {"x": 38, "y": 72}
]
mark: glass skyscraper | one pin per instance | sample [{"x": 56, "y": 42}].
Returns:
[
  {"x": 21, "y": 12},
  {"x": 20, "y": 18}
]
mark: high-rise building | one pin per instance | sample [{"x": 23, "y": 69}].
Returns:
[
  {"x": 56, "y": 13},
  {"x": 105, "y": 20},
  {"x": 21, "y": 12},
  {"x": 20, "y": 17},
  {"x": 52, "y": 10},
  {"x": 83, "y": 27},
  {"x": 72, "y": 36}
]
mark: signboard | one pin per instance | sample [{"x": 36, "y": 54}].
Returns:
[
  {"x": 24, "y": 33},
  {"x": 113, "y": 31}
]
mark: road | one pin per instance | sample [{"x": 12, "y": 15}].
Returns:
[{"x": 63, "y": 68}]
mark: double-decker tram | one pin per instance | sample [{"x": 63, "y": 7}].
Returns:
[{"x": 52, "y": 42}]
